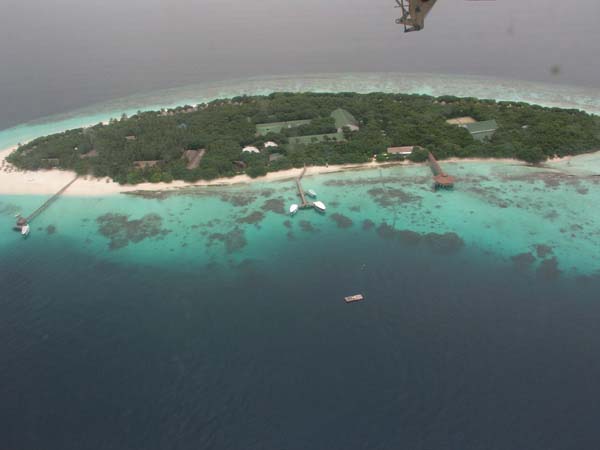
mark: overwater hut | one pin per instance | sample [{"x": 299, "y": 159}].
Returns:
[{"x": 440, "y": 178}]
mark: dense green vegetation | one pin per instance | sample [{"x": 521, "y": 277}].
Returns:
[{"x": 223, "y": 127}]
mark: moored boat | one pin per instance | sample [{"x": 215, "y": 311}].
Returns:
[
  {"x": 21, "y": 226},
  {"x": 293, "y": 209},
  {"x": 311, "y": 193},
  {"x": 319, "y": 206},
  {"x": 25, "y": 230}
]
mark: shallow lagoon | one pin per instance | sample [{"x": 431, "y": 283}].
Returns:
[{"x": 497, "y": 208}]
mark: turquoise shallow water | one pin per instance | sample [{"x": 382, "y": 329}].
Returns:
[{"x": 496, "y": 208}]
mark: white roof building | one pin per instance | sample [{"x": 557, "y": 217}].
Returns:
[
  {"x": 407, "y": 150},
  {"x": 270, "y": 144},
  {"x": 250, "y": 149}
]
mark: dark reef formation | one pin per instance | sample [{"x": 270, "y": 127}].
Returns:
[{"x": 121, "y": 231}]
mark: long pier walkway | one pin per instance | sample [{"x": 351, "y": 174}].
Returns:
[
  {"x": 304, "y": 204},
  {"x": 440, "y": 178},
  {"x": 51, "y": 200}
]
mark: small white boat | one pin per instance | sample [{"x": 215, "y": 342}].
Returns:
[
  {"x": 311, "y": 193},
  {"x": 319, "y": 206},
  {"x": 25, "y": 230},
  {"x": 293, "y": 209}
]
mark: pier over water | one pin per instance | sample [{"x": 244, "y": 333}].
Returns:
[
  {"x": 22, "y": 221},
  {"x": 301, "y": 193},
  {"x": 440, "y": 178}
]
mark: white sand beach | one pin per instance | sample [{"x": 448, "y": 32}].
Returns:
[{"x": 46, "y": 182}]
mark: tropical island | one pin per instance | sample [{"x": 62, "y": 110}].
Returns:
[{"x": 259, "y": 134}]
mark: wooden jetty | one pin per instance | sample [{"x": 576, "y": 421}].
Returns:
[
  {"x": 440, "y": 178},
  {"x": 354, "y": 298},
  {"x": 22, "y": 221},
  {"x": 304, "y": 203}
]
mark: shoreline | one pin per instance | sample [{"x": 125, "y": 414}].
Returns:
[{"x": 48, "y": 182}]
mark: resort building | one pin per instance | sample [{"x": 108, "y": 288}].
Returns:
[
  {"x": 482, "y": 131},
  {"x": 296, "y": 141},
  {"x": 479, "y": 130},
  {"x": 343, "y": 119},
  {"x": 250, "y": 149},
  {"x": 263, "y": 129},
  {"x": 461, "y": 120},
  {"x": 404, "y": 151},
  {"x": 269, "y": 144}
]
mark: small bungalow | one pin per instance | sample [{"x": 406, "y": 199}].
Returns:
[
  {"x": 130, "y": 138},
  {"x": 250, "y": 149},
  {"x": 269, "y": 144},
  {"x": 404, "y": 151}
]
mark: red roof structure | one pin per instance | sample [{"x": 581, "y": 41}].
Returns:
[{"x": 440, "y": 178}]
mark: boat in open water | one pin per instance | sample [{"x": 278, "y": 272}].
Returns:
[
  {"x": 319, "y": 206},
  {"x": 293, "y": 209},
  {"x": 354, "y": 298}
]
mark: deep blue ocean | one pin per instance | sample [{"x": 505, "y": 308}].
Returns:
[{"x": 449, "y": 351}]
